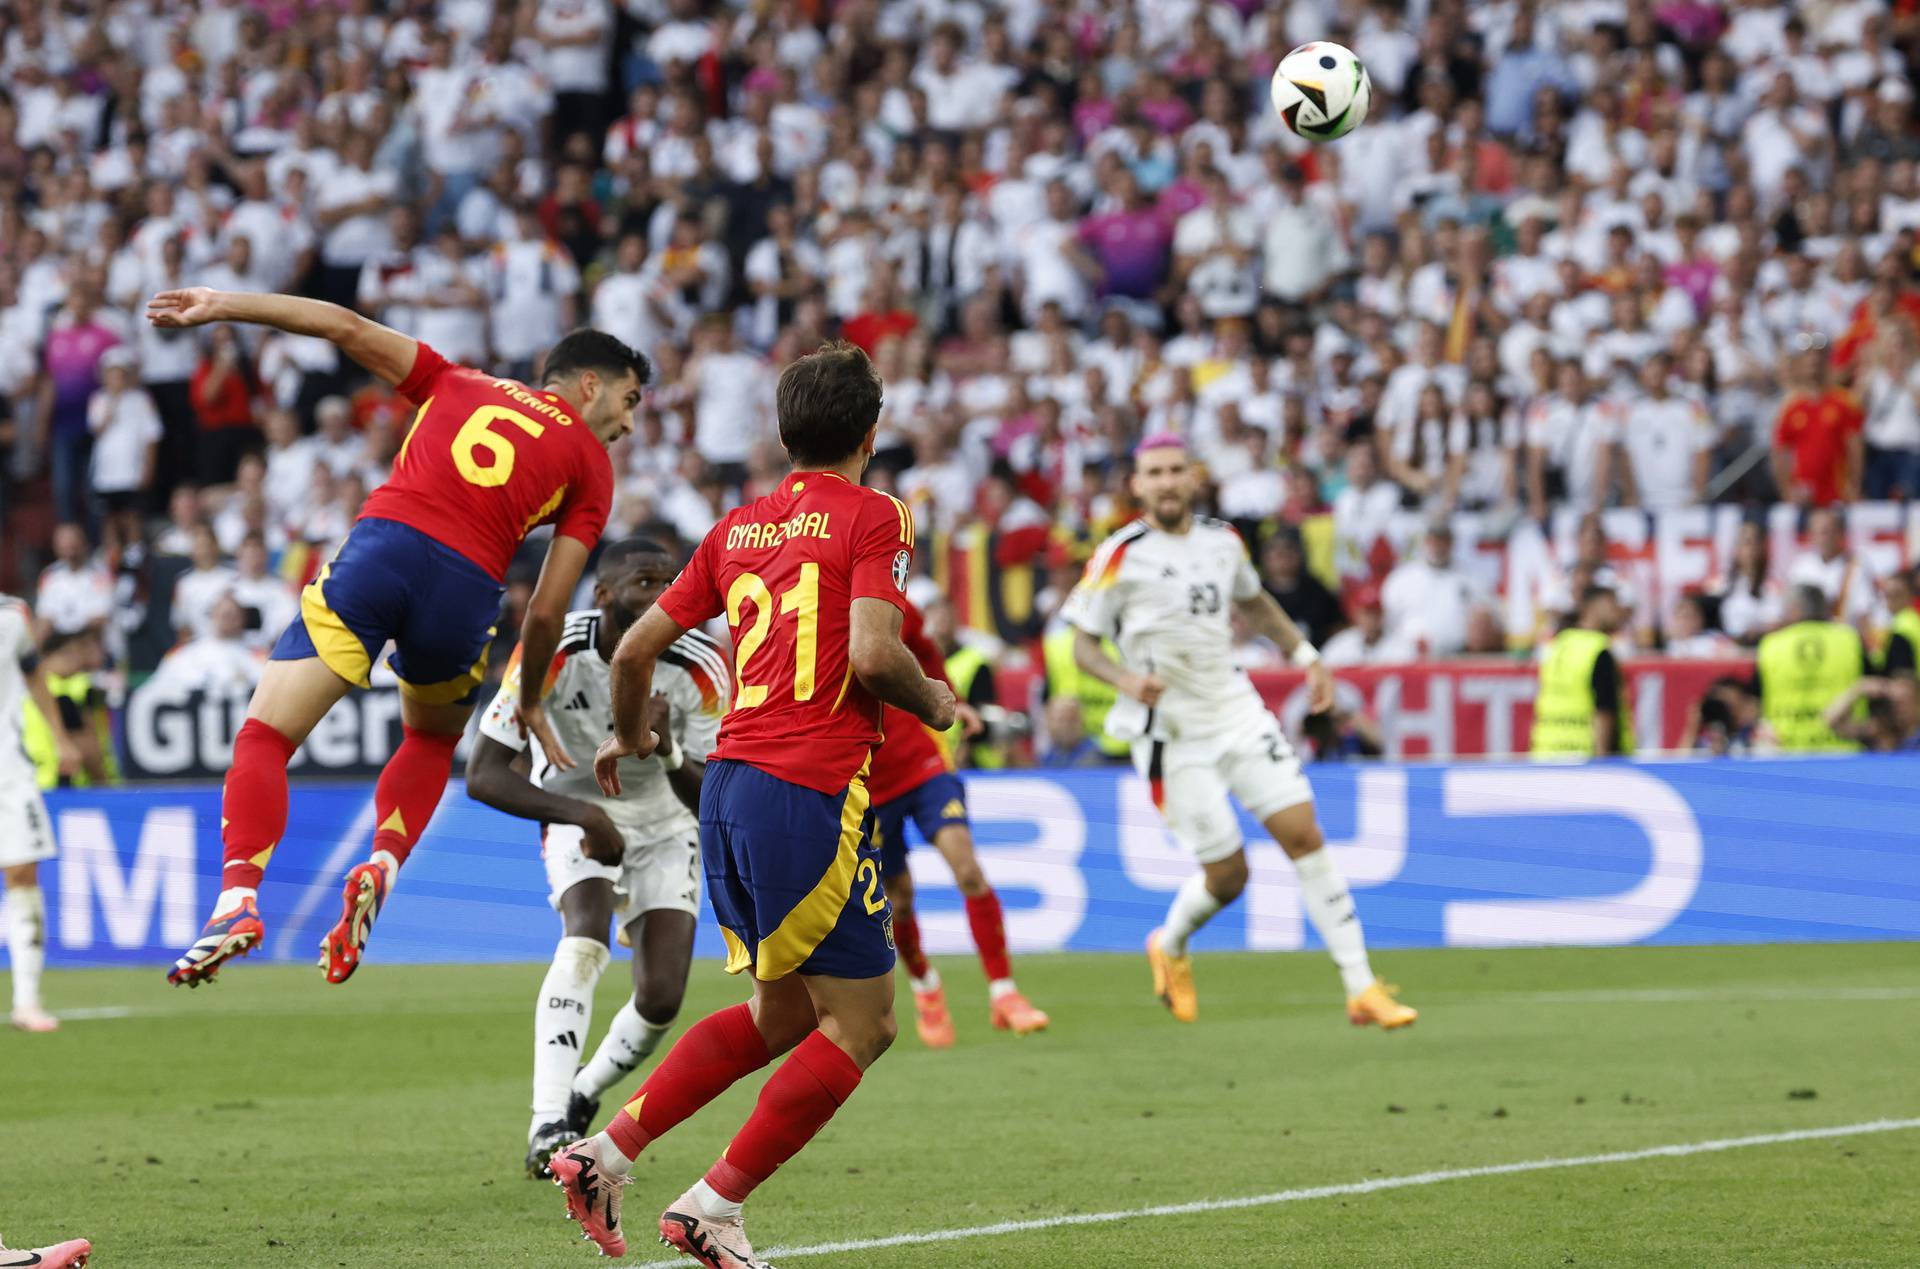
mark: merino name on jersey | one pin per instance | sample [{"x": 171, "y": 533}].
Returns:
[
  {"x": 798, "y": 712},
  {"x": 477, "y": 472},
  {"x": 1167, "y": 600}
]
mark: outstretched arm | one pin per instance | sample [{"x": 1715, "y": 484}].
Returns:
[
  {"x": 540, "y": 638},
  {"x": 382, "y": 350},
  {"x": 494, "y": 779}
]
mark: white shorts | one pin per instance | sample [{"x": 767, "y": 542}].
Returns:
[
  {"x": 1195, "y": 781},
  {"x": 26, "y": 835},
  {"x": 654, "y": 875}
]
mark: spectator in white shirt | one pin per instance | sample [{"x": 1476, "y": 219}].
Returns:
[
  {"x": 1843, "y": 576},
  {"x": 1667, "y": 440},
  {"x": 75, "y": 592},
  {"x": 1752, "y": 600},
  {"x": 215, "y": 661},
  {"x": 267, "y": 600},
  {"x": 733, "y": 399},
  {"x": 1690, "y": 637},
  {"x": 335, "y": 444},
  {"x": 1427, "y": 599},
  {"x": 535, "y": 288},
  {"x": 1362, "y": 513},
  {"x": 1366, "y": 641},
  {"x": 198, "y": 589},
  {"x": 578, "y": 37},
  {"x": 351, "y": 210},
  {"x": 126, "y": 441}
]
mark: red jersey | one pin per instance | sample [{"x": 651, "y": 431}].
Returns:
[
  {"x": 785, "y": 569},
  {"x": 909, "y": 754},
  {"x": 1818, "y": 432},
  {"x": 487, "y": 460}
]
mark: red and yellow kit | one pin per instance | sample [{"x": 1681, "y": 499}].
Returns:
[
  {"x": 908, "y": 755},
  {"x": 487, "y": 461},
  {"x": 785, "y": 569}
]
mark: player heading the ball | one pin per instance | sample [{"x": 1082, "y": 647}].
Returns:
[{"x": 486, "y": 461}]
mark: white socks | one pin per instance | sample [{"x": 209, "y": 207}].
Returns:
[
  {"x": 930, "y": 983},
  {"x": 1323, "y": 892},
  {"x": 231, "y": 897},
  {"x": 713, "y": 1203},
  {"x": 609, "y": 1154},
  {"x": 1193, "y": 906},
  {"x": 26, "y": 913},
  {"x": 389, "y": 865},
  {"x": 629, "y": 1041},
  {"x": 561, "y": 1016}
]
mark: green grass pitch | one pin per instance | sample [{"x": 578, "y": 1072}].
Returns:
[{"x": 274, "y": 1121}]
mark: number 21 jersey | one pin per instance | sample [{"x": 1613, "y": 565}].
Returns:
[
  {"x": 487, "y": 460},
  {"x": 785, "y": 569}
]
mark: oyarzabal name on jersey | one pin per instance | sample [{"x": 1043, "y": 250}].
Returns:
[{"x": 753, "y": 536}]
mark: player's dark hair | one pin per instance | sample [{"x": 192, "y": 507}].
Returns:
[
  {"x": 1594, "y": 593},
  {"x": 596, "y": 350},
  {"x": 616, "y": 559},
  {"x": 827, "y": 402}
]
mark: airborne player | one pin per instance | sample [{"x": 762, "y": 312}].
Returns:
[{"x": 486, "y": 461}]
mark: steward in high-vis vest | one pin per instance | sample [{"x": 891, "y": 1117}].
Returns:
[
  {"x": 1803, "y": 668},
  {"x": 1065, "y": 678},
  {"x": 1581, "y": 708},
  {"x": 1899, "y": 651}
]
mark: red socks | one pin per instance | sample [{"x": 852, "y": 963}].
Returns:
[
  {"x": 715, "y": 1051},
  {"x": 796, "y": 1102},
  {"x": 410, "y": 787},
  {"x": 989, "y": 934},
  {"x": 253, "y": 805},
  {"x": 906, "y": 941}
]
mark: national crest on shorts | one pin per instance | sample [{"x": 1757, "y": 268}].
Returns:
[{"x": 901, "y": 560}]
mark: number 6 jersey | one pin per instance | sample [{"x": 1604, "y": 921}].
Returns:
[
  {"x": 1167, "y": 600},
  {"x": 785, "y": 570},
  {"x": 487, "y": 460}
]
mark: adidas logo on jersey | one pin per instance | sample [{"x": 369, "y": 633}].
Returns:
[{"x": 579, "y": 701}]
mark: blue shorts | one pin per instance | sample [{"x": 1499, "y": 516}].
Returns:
[
  {"x": 391, "y": 581},
  {"x": 932, "y": 806},
  {"x": 793, "y": 875}
]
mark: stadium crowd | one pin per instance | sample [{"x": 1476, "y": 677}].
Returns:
[{"x": 1582, "y": 255}]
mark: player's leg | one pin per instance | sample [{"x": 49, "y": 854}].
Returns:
[
  {"x": 404, "y": 799},
  {"x": 856, "y": 1026},
  {"x": 932, "y": 1021},
  {"x": 662, "y": 957},
  {"x": 563, "y": 1011},
  {"x": 26, "y": 917},
  {"x": 952, "y": 836},
  {"x": 1193, "y": 798},
  {"x": 1329, "y": 905}
]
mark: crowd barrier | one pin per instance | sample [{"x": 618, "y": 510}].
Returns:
[{"x": 1457, "y": 856}]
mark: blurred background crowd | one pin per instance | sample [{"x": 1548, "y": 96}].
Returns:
[{"x": 1584, "y": 257}]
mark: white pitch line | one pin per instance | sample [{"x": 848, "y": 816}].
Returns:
[{"x": 1374, "y": 1186}]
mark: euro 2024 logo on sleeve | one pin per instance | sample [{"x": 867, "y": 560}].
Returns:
[{"x": 901, "y": 561}]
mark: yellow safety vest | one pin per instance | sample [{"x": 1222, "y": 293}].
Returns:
[
  {"x": 1096, "y": 698},
  {"x": 1563, "y": 708},
  {"x": 962, "y": 668},
  {"x": 1803, "y": 668},
  {"x": 37, "y": 736}
]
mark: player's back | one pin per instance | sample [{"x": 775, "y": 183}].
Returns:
[
  {"x": 487, "y": 460},
  {"x": 16, "y": 650},
  {"x": 785, "y": 570}
]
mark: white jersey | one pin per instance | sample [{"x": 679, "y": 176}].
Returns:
[
  {"x": 579, "y": 699},
  {"x": 17, "y": 652},
  {"x": 1167, "y": 600}
]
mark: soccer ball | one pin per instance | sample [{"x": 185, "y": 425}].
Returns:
[{"x": 1321, "y": 91}]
